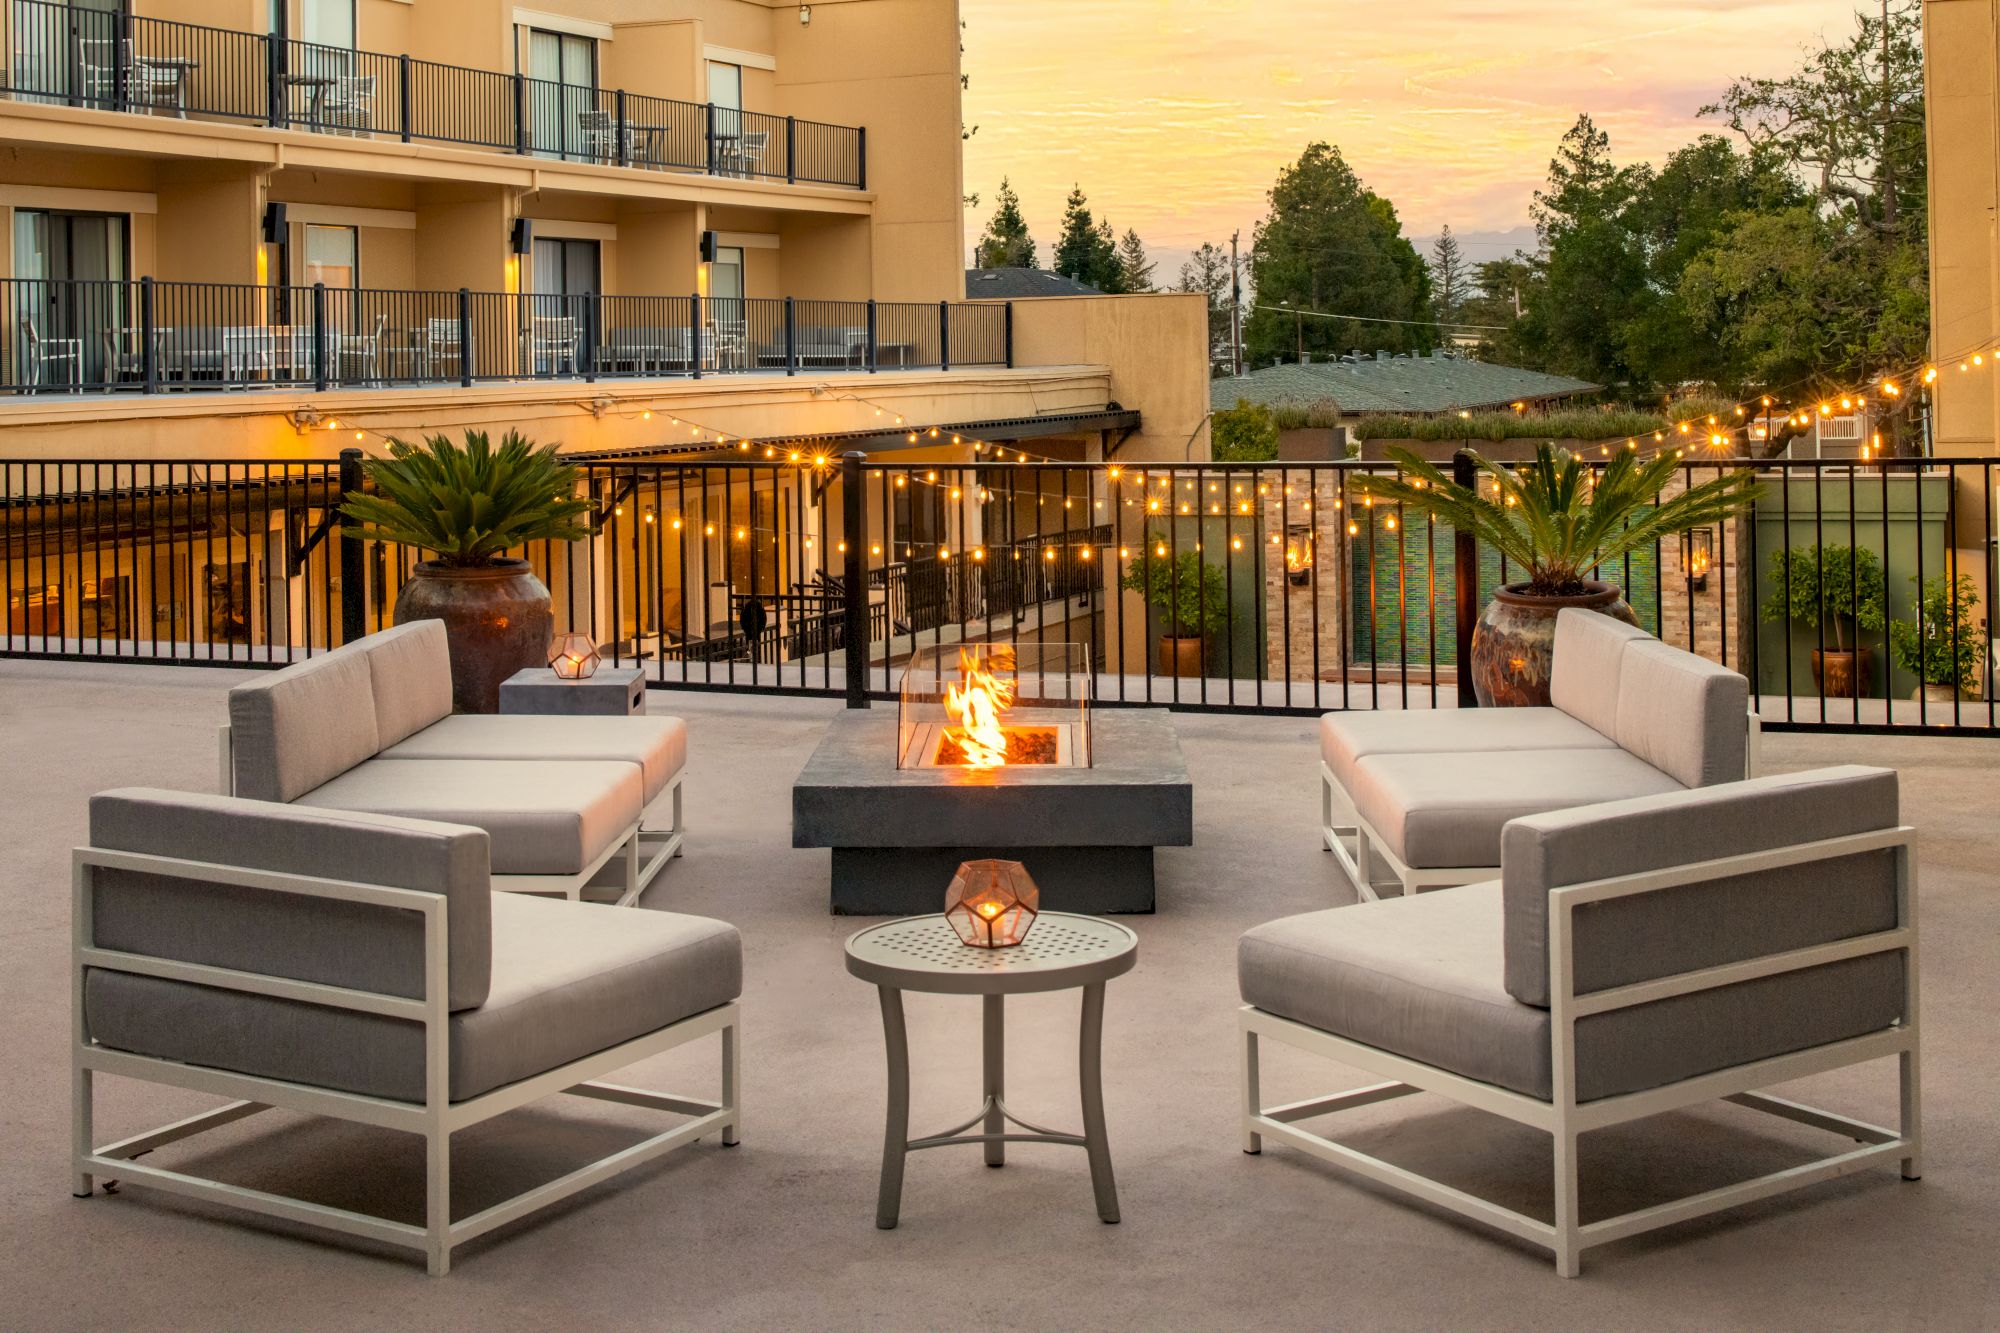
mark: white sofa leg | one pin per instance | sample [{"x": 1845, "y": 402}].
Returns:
[
  {"x": 732, "y": 1085},
  {"x": 1568, "y": 1256},
  {"x": 437, "y": 1200},
  {"x": 1253, "y": 1142},
  {"x": 81, "y": 1129},
  {"x": 1910, "y": 1122}
]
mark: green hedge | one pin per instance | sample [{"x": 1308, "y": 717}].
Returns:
[{"x": 1583, "y": 423}]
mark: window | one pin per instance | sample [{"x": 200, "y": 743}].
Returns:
[
  {"x": 333, "y": 256},
  {"x": 564, "y": 110},
  {"x": 725, "y": 275},
  {"x": 725, "y": 89},
  {"x": 327, "y": 22}
]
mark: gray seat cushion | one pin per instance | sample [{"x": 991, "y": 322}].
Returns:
[
  {"x": 1423, "y": 978},
  {"x": 1443, "y": 811},
  {"x": 1347, "y": 738},
  {"x": 658, "y": 745},
  {"x": 542, "y": 819},
  {"x": 569, "y": 979}
]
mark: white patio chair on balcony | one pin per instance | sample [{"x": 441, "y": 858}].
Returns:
[
  {"x": 361, "y": 350},
  {"x": 440, "y": 347},
  {"x": 744, "y": 154},
  {"x": 548, "y": 345},
  {"x": 47, "y": 361},
  {"x": 604, "y": 140},
  {"x": 349, "y": 107},
  {"x": 147, "y": 82}
]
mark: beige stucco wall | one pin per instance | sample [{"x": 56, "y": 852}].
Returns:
[
  {"x": 1962, "y": 95},
  {"x": 1155, "y": 348}
]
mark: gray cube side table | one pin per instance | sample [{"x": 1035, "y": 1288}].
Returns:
[
  {"x": 612, "y": 692},
  {"x": 923, "y": 953}
]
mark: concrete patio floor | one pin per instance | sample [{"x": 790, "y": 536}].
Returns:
[{"x": 778, "y": 1233}]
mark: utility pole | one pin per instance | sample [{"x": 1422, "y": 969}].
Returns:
[{"x": 1235, "y": 310}]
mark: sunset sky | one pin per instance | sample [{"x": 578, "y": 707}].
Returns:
[{"x": 1175, "y": 115}]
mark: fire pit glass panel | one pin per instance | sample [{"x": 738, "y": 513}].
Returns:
[{"x": 983, "y": 706}]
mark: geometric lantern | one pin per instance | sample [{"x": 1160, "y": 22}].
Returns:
[
  {"x": 573, "y": 657},
  {"x": 992, "y": 904},
  {"x": 1697, "y": 556}
]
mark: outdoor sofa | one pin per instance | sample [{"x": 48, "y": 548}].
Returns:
[
  {"x": 360, "y": 966},
  {"x": 1423, "y": 794},
  {"x": 368, "y": 727},
  {"x": 1632, "y": 958}
]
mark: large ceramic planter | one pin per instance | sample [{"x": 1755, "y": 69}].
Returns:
[
  {"x": 1842, "y": 673},
  {"x": 1513, "y": 646},
  {"x": 1180, "y": 656},
  {"x": 496, "y": 618}
]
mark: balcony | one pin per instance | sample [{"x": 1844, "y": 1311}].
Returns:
[
  {"x": 61, "y": 55},
  {"x": 65, "y": 336}
]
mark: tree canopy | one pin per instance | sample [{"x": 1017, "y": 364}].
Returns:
[
  {"x": 1087, "y": 250},
  {"x": 1006, "y": 243}
]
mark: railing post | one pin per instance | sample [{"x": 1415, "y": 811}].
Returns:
[
  {"x": 278, "y": 57},
  {"x": 149, "y": 360},
  {"x": 353, "y": 565},
  {"x": 121, "y": 33},
  {"x": 708, "y": 134},
  {"x": 73, "y": 32},
  {"x": 319, "y": 336},
  {"x": 861, "y": 157},
  {"x": 624, "y": 157},
  {"x": 405, "y": 99},
  {"x": 791, "y": 341},
  {"x": 1008, "y": 334},
  {"x": 1465, "y": 586},
  {"x": 694, "y": 335},
  {"x": 586, "y": 352},
  {"x": 520, "y": 113},
  {"x": 791, "y": 151},
  {"x": 944, "y": 335},
  {"x": 854, "y": 577},
  {"x": 871, "y": 335},
  {"x": 464, "y": 338}
]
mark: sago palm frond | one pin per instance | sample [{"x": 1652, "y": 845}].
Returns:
[{"x": 468, "y": 504}]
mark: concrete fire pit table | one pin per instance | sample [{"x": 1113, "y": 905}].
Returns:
[{"x": 1086, "y": 834}]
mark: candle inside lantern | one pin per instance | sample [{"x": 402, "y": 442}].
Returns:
[{"x": 573, "y": 657}]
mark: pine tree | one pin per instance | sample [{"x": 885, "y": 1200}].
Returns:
[
  {"x": 1448, "y": 276},
  {"x": 1207, "y": 272},
  {"x": 1076, "y": 248},
  {"x": 1006, "y": 243},
  {"x": 1135, "y": 268},
  {"x": 1107, "y": 270}
]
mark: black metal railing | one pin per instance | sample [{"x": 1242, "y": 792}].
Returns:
[
  {"x": 114, "y": 61},
  {"x": 73, "y": 336},
  {"x": 1853, "y": 595}
]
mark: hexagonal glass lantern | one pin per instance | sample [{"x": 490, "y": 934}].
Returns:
[
  {"x": 573, "y": 657},
  {"x": 992, "y": 904}
]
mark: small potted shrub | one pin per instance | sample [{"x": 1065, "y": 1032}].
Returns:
[
  {"x": 1945, "y": 650},
  {"x": 1191, "y": 596},
  {"x": 1549, "y": 518},
  {"x": 468, "y": 505},
  {"x": 1845, "y": 583}
]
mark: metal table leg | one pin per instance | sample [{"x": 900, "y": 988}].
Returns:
[
  {"x": 896, "y": 1136},
  {"x": 994, "y": 1018},
  {"x": 1090, "y": 1074}
]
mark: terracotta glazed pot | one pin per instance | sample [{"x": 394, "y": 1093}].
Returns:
[
  {"x": 1513, "y": 645},
  {"x": 1180, "y": 656},
  {"x": 1835, "y": 671},
  {"x": 496, "y": 618}
]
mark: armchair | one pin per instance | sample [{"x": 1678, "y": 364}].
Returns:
[
  {"x": 1635, "y": 957},
  {"x": 360, "y": 967}
]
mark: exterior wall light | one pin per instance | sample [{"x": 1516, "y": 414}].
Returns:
[{"x": 805, "y": 15}]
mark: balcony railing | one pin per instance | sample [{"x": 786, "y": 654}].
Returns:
[
  {"x": 144, "y": 336},
  {"x": 65, "y": 55}
]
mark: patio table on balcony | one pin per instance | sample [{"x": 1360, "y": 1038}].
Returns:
[{"x": 315, "y": 87}]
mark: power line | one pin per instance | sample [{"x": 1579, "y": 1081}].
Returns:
[{"x": 1372, "y": 319}]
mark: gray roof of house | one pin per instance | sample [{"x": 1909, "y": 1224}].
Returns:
[
  {"x": 1434, "y": 383},
  {"x": 1013, "y": 283}
]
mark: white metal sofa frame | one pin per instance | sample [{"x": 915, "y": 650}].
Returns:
[
  {"x": 436, "y": 1118},
  {"x": 1564, "y": 1119},
  {"x": 1359, "y": 848}
]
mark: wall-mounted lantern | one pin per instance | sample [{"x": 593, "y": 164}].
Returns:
[{"x": 1697, "y": 556}]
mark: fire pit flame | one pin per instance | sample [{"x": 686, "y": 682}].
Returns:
[{"x": 976, "y": 702}]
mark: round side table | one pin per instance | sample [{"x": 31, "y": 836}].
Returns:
[{"x": 923, "y": 953}]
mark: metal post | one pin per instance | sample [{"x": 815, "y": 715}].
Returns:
[
  {"x": 353, "y": 567},
  {"x": 121, "y": 33},
  {"x": 1465, "y": 587},
  {"x": 520, "y": 113},
  {"x": 861, "y": 158},
  {"x": 694, "y": 335},
  {"x": 791, "y": 341},
  {"x": 279, "y": 50},
  {"x": 708, "y": 132},
  {"x": 464, "y": 338},
  {"x": 149, "y": 360},
  {"x": 871, "y": 335},
  {"x": 587, "y": 351},
  {"x": 791, "y": 151},
  {"x": 1010, "y": 334},
  {"x": 624, "y": 157},
  {"x": 854, "y": 577},
  {"x": 944, "y": 335},
  {"x": 405, "y": 99},
  {"x": 320, "y": 376}
]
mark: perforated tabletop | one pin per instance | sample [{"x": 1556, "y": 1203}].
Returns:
[{"x": 923, "y": 953}]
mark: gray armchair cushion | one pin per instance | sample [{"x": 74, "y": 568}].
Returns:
[
  {"x": 1440, "y": 811},
  {"x": 1422, "y": 978},
  {"x": 657, "y": 745},
  {"x": 1701, "y": 925},
  {"x": 569, "y": 980},
  {"x": 1345, "y": 739},
  {"x": 297, "y": 728},
  {"x": 279, "y": 934},
  {"x": 1683, "y": 715},
  {"x": 1585, "y": 676},
  {"x": 410, "y": 674},
  {"x": 543, "y": 819}
]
